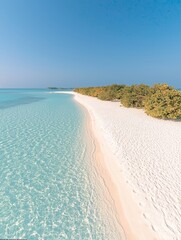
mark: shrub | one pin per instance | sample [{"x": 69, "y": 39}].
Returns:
[
  {"x": 164, "y": 103},
  {"x": 134, "y": 96},
  {"x": 90, "y": 91},
  {"x": 160, "y": 101},
  {"x": 111, "y": 93}
]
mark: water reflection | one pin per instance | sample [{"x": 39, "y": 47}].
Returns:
[{"x": 19, "y": 101}]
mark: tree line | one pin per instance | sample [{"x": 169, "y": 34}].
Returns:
[{"x": 160, "y": 100}]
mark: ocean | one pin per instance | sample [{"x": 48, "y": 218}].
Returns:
[{"x": 49, "y": 188}]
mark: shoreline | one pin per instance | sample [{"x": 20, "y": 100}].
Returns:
[
  {"x": 101, "y": 173},
  {"x": 140, "y": 158},
  {"x": 108, "y": 169}
]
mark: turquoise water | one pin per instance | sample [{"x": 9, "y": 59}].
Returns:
[{"x": 47, "y": 181}]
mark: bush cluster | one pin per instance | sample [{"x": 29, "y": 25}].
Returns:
[
  {"x": 108, "y": 93},
  {"x": 135, "y": 95},
  {"x": 160, "y": 101},
  {"x": 90, "y": 91},
  {"x": 165, "y": 102}
]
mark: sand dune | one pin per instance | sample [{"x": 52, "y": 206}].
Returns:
[{"x": 143, "y": 156}]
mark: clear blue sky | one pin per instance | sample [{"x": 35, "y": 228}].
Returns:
[{"x": 72, "y": 43}]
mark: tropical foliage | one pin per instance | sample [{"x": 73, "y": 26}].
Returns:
[
  {"x": 160, "y": 101},
  {"x": 109, "y": 93},
  {"x": 164, "y": 103},
  {"x": 90, "y": 91},
  {"x": 134, "y": 96}
]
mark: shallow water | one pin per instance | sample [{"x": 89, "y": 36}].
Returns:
[{"x": 48, "y": 187}]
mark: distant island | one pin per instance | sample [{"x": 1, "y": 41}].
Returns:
[
  {"x": 160, "y": 100},
  {"x": 60, "y": 88}
]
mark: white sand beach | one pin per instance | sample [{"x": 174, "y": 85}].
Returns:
[{"x": 140, "y": 157}]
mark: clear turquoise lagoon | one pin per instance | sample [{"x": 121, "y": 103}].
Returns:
[{"x": 48, "y": 184}]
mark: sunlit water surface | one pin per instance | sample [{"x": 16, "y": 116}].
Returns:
[{"x": 47, "y": 184}]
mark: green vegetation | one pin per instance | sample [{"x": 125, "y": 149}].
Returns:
[
  {"x": 135, "y": 95},
  {"x": 160, "y": 101},
  {"x": 59, "y": 88},
  {"x": 109, "y": 93},
  {"x": 53, "y": 88},
  {"x": 164, "y": 103},
  {"x": 90, "y": 91}
]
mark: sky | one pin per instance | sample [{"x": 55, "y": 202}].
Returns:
[{"x": 74, "y": 43}]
